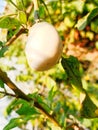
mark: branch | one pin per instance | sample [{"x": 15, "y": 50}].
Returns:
[
  {"x": 21, "y": 31},
  {"x": 11, "y": 85},
  {"x": 14, "y": 88},
  {"x": 20, "y": 94}
]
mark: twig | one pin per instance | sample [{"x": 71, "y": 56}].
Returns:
[
  {"x": 15, "y": 89},
  {"x": 21, "y": 31},
  {"x": 47, "y": 11},
  {"x": 14, "y": 4},
  {"x": 8, "y": 94},
  {"x": 20, "y": 94},
  {"x": 11, "y": 85}
]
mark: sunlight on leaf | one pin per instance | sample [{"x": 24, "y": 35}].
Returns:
[
  {"x": 89, "y": 109},
  {"x": 26, "y": 108},
  {"x": 20, "y": 4},
  {"x": 71, "y": 67},
  {"x": 94, "y": 25},
  {"x": 50, "y": 97},
  {"x": 22, "y": 17},
  {"x": 11, "y": 107},
  {"x": 82, "y": 23},
  {"x": 13, "y": 123},
  {"x": 8, "y": 22},
  {"x": 36, "y": 97}
]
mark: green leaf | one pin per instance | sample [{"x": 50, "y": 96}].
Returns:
[
  {"x": 92, "y": 14},
  {"x": 94, "y": 25},
  {"x": 22, "y": 4},
  {"x": 50, "y": 97},
  {"x": 11, "y": 106},
  {"x": 1, "y": 84},
  {"x": 82, "y": 23},
  {"x": 22, "y": 107},
  {"x": 18, "y": 122},
  {"x": 1, "y": 43},
  {"x": 8, "y": 22},
  {"x": 11, "y": 32},
  {"x": 54, "y": 5},
  {"x": 3, "y": 50},
  {"x": 51, "y": 94},
  {"x": 41, "y": 101},
  {"x": 62, "y": 119},
  {"x": 26, "y": 108},
  {"x": 13, "y": 123},
  {"x": 57, "y": 107},
  {"x": 71, "y": 67},
  {"x": 22, "y": 17},
  {"x": 88, "y": 109},
  {"x": 41, "y": 11},
  {"x": 43, "y": 104}
]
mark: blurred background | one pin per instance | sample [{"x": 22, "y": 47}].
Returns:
[{"x": 52, "y": 84}]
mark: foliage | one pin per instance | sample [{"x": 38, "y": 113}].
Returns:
[
  {"x": 52, "y": 94},
  {"x": 82, "y": 23}
]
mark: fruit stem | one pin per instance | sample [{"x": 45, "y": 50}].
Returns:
[{"x": 36, "y": 11}]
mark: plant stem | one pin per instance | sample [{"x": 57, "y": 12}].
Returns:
[
  {"x": 21, "y": 31},
  {"x": 14, "y": 4},
  {"x": 12, "y": 86},
  {"x": 21, "y": 94},
  {"x": 47, "y": 10},
  {"x": 8, "y": 94}
]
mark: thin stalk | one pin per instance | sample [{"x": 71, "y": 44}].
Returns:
[
  {"x": 8, "y": 94},
  {"x": 21, "y": 31},
  {"x": 47, "y": 10},
  {"x": 14, "y": 4}
]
